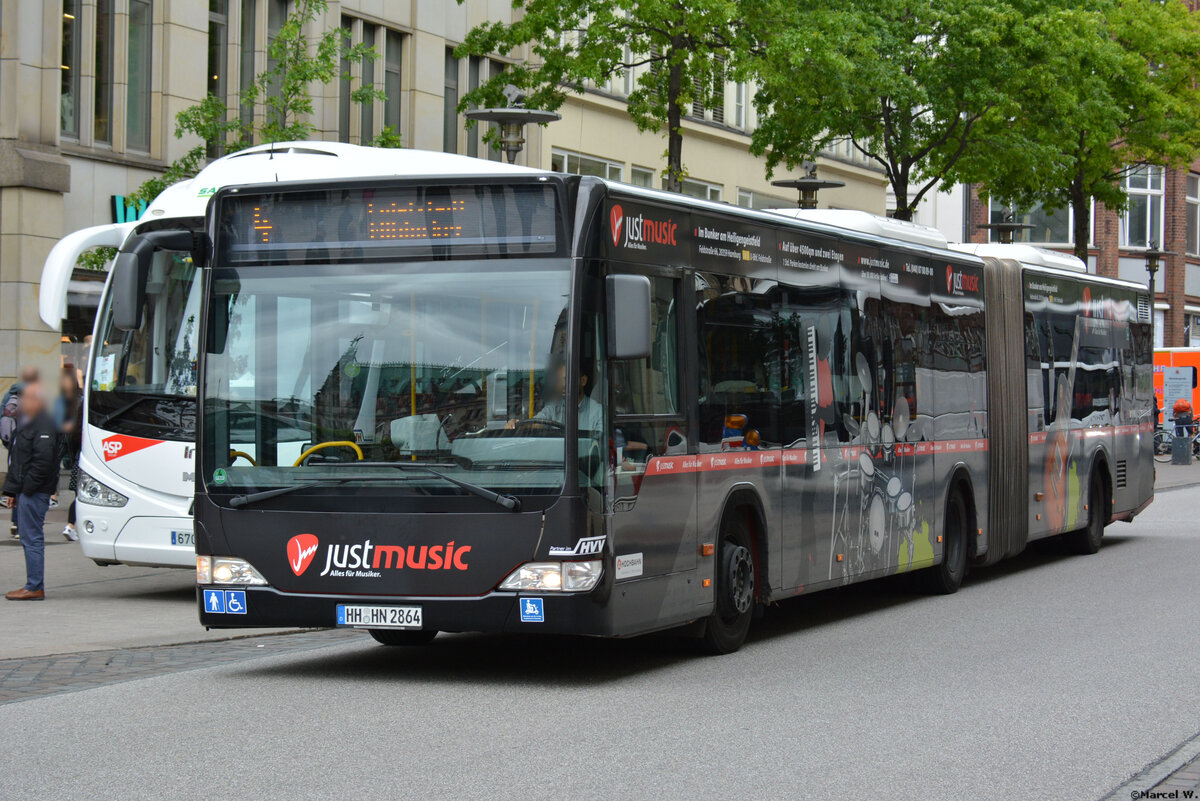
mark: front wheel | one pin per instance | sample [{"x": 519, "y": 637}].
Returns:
[
  {"x": 394, "y": 637},
  {"x": 946, "y": 577},
  {"x": 1162, "y": 446},
  {"x": 733, "y": 607}
]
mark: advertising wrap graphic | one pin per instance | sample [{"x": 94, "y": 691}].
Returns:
[
  {"x": 119, "y": 445},
  {"x": 300, "y": 552}
]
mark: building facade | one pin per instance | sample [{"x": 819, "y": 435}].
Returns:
[{"x": 89, "y": 92}]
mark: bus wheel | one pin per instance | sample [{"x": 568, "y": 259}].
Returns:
[
  {"x": 393, "y": 637},
  {"x": 1087, "y": 539},
  {"x": 733, "y": 607},
  {"x": 946, "y": 577}
]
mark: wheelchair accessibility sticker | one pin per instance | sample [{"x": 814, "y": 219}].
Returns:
[
  {"x": 531, "y": 610},
  {"x": 225, "y": 602}
]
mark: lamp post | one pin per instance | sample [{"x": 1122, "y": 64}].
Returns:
[
  {"x": 1007, "y": 228},
  {"x": 1153, "y": 257},
  {"x": 808, "y": 186},
  {"x": 512, "y": 120}
]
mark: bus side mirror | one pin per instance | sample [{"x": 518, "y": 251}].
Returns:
[
  {"x": 628, "y": 316},
  {"x": 128, "y": 291}
]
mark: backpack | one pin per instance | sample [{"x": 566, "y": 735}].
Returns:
[{"x": 8, "y": 418}]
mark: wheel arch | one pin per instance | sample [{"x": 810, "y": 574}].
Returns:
[
  {"x": 961, "y": 481},
  {"x": 744, "y": 498}
]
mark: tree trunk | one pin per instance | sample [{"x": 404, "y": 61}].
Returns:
[
  {"x": 1081, "y": 224},
  {"x": 900, "y": 190},
  {"x": 674, "y": 182}
]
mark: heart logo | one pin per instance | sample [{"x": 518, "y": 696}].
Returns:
[
  {"x": 300, "y": 551},
  {"x": 949, "y": 278},
  {"x": 616, "y": 217}
]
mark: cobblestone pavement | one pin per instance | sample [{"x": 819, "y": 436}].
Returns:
[
  {"x": 1182, "y": 780},
  {"x": 22, "y": 679}
]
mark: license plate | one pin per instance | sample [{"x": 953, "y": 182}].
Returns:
[
  {"x": 379, "y": 617},
  {"x": 187, "y": 538}
]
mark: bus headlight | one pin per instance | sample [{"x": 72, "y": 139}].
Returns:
[
  {"x": 555, "y": 576},
  {"x": 227, "y": 570},
  {"x": 89, "y": 490}
]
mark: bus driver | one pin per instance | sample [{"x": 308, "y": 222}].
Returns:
[{"x": 591, "y": 414}]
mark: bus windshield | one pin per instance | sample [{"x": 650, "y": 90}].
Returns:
[
  {"x": 325, "y": 372},
  {"x": 144, "y": 380}
]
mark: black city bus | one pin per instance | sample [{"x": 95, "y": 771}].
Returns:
[{"x": 545, "y": 403}]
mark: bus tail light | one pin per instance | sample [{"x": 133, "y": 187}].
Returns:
[
  {"x": 227, "y": 570},
  {"x": 555, "y": 576}
]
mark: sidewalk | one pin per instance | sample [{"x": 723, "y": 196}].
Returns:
[
  {"x": 1172, "y": 476},
  {"x": 89, "y": 607}
]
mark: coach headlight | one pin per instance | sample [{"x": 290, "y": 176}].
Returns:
[
  {"x": 554, "y": 576},
  {"x": 228, "y": 570},
  {"x": 89, "y": 490}
]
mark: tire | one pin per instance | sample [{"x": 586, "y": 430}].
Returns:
[
  {"x": 1087, "y": 539},
  {"x": 733, "y": 607},
  {"x": 1162, "y": 447},
  {"x": 394, "y": 637},
  {"x": 946, "y": 577}
]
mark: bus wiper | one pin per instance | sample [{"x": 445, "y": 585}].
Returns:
[
  {"x": 509, "y": 502},
  {"x": 500, "y": 499}
]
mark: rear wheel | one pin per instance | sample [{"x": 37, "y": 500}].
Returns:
[
  {"x": 726, "y": 628},
  {"x": 1162, "y": 446},
  {"x": 394, "y": 637},
  {"x": 1087, "y": 539},
  {"x": 946, "y": 577}
]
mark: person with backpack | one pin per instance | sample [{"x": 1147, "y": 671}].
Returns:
[
  {"x": 32, "y": 476},
  {"x": 10, "y": 418}
]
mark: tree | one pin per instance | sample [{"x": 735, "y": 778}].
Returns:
[
  {"x": 1119, "y": 90},
  {"x": 684, "y": 46},
  {"x": 295, "y": 62},
  {"x": 907, "y": 82}
]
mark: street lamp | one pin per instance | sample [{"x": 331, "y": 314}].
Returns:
[
  {"x": 1007, "y": 228},
  {"x": 512, "y": 120},
  {"x": 808, "y": 186},
  {"x": 1153, "y": 256}
]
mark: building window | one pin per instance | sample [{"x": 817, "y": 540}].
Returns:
[
  {"x": 1193, "y": 215},
  {"x": 1193, "y": 330},
  {"x": 137, "y": 97},
  {"x": 473, "y": 134},
  {"x": 701, "y": 189},
  {"x": 1143, "y": 219},
  {"x": 739, "y": 105},
  {"x": 246, "y": 71},
  {"x": 579, "y": 164},
  {"x": 345, "y": 89},
  {"x": 1160, "y": 322},
  {"x": 391, "y": 80},
  {"x": 1049, "y": 227},
  {"x": 450, "y": 104},
  {"x": 641, "y": 176},
  {"x": 102, "y": 117},
  {"x": 71, "y": 51},
  {"x": 218, "y": 46},
  {"x": 749, "y": 199},
  {"x": 627, "y": 77},
  {"x": 366, "y": 125}
]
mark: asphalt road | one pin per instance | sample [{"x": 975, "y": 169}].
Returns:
[{"x": 1050, "y": 676}]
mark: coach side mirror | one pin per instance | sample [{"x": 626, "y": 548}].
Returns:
[
  {"x": 628, "y": 316},
  {"x": 131, "y": 271}
]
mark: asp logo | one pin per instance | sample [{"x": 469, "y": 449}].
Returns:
[
  {"x": 959, "y": 282},
  {"x": 300, "y": 551},
  {"x": 119, "y": 445}
]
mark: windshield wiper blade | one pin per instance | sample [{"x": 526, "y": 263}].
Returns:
[
  {"x": 509, "y": 502},
  {"x": 238, "y": 501}
]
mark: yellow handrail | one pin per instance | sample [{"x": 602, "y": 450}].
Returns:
[
  {"x": 339, "y": 443},
  {"x": 233, "y": 456}
]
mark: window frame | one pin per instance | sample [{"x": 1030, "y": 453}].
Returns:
[
  {"x": 1192, "y": 211},
  {"x": 608, "y": 164},
  {"x": 1151, "y": 195}
]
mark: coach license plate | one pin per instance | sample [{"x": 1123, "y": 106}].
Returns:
[
  {"x": 379, "y": 617},
  {"x": 187, "y": 538}
]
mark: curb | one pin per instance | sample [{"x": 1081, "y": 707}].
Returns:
[{"x": 1157, "y": 772}]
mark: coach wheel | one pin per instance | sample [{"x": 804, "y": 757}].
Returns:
[
  {"x": 1087, "y": 539},
  {"x": 394, "y": 637},
  {"x": 725, "y": 629},
  {"x": 946, "y": 577}
]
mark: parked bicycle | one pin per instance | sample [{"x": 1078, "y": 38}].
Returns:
[{"x": 1163, "y": 438}]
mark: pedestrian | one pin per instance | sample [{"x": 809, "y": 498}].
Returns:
[
  {"x": 68, "y": 415},
  {"x": 10, "y": 414},
  {"x": 32, "y": 476}
]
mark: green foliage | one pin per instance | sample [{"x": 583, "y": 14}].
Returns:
[
  {"x": 96, "y": 258},
  {"x": 688, "y": 45},
  {"x": 388, "y": 137},
  {"x": 1118, "y": 89},
  {"x": 295, "y": 63},
  {"x": 907, "y": 82}
]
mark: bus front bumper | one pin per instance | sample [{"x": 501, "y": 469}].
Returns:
[{"x": 267, "y": 607}]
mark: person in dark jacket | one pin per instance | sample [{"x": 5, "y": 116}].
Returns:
[{"x": 32, "y": 477}]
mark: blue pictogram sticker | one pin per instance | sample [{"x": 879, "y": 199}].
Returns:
[
  {"x": 341, "y": 612},
  {"x": 235, "y": 602},
  {"x": 531, "y": 610},
  {"x": 214, "y": 602}
]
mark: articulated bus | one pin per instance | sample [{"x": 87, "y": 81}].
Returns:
[
  {"x": 546, "y": 403},
  {"x": 137, "y": 460}
]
